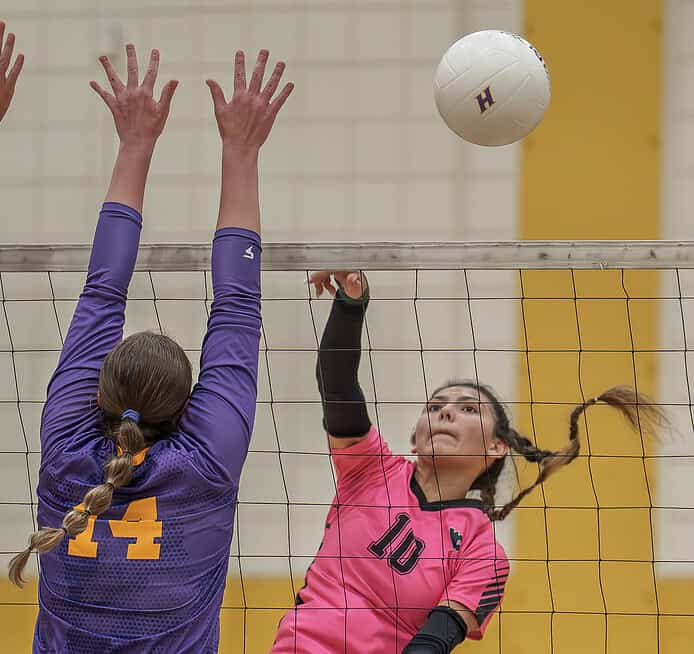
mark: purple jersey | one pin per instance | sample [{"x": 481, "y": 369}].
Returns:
[{"x": 147, "y": 575}]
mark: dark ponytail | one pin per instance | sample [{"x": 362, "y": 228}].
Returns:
[{"x": 638, "y": 409}]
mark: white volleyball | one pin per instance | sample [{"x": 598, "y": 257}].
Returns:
[{"x": 492, "y": 87}]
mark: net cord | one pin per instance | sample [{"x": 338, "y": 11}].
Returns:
[{"x": 501, "y": 255}]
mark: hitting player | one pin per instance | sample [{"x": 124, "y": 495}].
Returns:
[{"x": 409, "y": 561}]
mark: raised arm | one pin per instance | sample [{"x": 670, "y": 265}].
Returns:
[
  {"x": 218, "y": 420},
  {"x": 345, "y": 417},
  {"x": 8, "y": 80},
  {"x": 139, "y": 120},
  {"x": 244, "y": 125},
  {"x": 97, "y": 323}
]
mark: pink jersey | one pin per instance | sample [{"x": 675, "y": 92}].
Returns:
[{"x": 387, "y": 558}]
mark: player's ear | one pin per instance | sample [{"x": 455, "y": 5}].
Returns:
[{"x": 497, "y": 448}]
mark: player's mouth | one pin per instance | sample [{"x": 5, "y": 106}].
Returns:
[{"x": 443, "y": 432}]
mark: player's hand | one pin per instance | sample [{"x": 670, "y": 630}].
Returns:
[
  {"x": 353, "y": 283},
  {"x": 246, "y": 121},
  {"x": 139, "y": 118},
  {"x": 8, "y": 80}
]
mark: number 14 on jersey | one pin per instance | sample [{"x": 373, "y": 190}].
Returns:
[{"x": 139, "y": 522}]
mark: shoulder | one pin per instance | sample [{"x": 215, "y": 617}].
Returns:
[
  {"x": 171, "y": 464},
  {"x": 88, "y": 448},
  {"x": 371, "y": 445},
  {"x": 367, "y": 461},
  {"x": 371, "y": 439}
]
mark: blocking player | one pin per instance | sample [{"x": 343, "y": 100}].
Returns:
[{"x": 139, "y": 476}]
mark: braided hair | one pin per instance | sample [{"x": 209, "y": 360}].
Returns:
[
  {"x": 638, "y": 409},
  {"x": 144, "y": 384}
]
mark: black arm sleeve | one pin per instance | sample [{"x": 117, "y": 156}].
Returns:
[
  {"x": 344, "y": 407},
  {"x": 440, "y": 634}
]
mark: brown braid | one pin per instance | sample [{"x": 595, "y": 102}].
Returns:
[{"x": 118, "y": 472}]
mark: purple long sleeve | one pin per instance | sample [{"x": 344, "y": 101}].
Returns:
[
  {"x": 96, "y": 328},
  {"x": 218, "y": 420}
]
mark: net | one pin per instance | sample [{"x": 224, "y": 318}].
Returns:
[{"x": 601, "y": 555}]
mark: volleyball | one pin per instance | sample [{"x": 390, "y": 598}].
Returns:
[{"x": 492, "y": 87}]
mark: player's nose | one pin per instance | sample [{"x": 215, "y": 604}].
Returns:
[{"x": 447, "y": 412}]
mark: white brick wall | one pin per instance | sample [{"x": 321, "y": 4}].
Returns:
[
  {"x": 361, "y": 125},
  {"x": 359, "y": 153}
]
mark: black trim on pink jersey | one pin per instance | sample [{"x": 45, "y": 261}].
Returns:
[
  {"x": 491, "y": 597},
  {"x": 425, "y": 505}
]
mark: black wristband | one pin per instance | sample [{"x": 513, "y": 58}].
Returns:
[
  {"x": 344, "y": 406},
  {"x": 444, "y": 629},
  {"x": 362, "y": 301}
]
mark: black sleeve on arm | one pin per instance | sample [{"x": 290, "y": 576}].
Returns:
[
  {"x": 344, "y": 407},
  {"x": 444, "y": 629}
]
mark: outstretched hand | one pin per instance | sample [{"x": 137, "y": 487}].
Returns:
[
  {"x": 246, "y": 121},
  {"x": 8, "y": 80},
  {"x": 139, "y": 118},
  {"x": 353, "y": 283}
]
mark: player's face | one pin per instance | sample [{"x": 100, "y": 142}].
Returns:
[{"x": 457, "y": 426}]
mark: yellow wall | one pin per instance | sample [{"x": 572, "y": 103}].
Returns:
[
  {"x": 592, "y": 170},
  {"x": 18, "y": 616}
]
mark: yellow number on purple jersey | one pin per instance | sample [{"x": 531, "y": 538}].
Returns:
[{"x": 139, "y": 522}]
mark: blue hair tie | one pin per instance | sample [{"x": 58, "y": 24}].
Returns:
[{"x": 131, "y": 414}]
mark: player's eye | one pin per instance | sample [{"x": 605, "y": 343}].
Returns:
[
  {"x": 431, "y": 407},
  {"x": 469, "y": 408}
]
